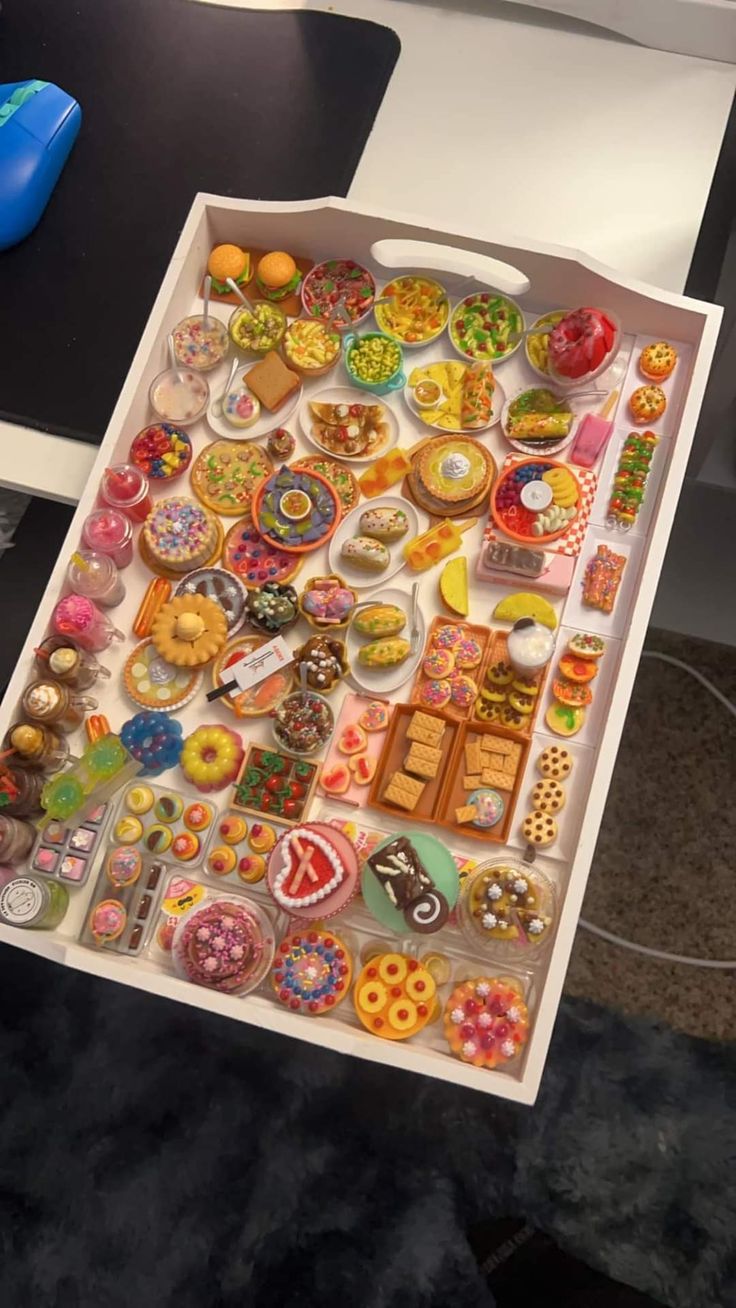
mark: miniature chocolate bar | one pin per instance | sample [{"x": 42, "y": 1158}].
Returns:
[
  {"x": 408, "y": 885},
  {"x": 514, "y": 558}
]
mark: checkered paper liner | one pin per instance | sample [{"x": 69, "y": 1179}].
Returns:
[{"x": 571, "y": 541}]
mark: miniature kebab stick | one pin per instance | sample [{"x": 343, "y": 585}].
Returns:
[{"x": 206, "y": 298}]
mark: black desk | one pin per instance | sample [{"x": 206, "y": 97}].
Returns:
[{"x": 177, "y": 98}]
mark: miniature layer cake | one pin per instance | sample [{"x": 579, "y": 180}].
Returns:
[{"x": 180, "y": 534}]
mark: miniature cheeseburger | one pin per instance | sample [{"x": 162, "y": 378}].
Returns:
[
  {"x": 277, "y": 276},
  {"x": 228, "y": 261}
]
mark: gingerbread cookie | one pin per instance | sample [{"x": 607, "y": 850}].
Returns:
[{"x": 647, "y": 403}]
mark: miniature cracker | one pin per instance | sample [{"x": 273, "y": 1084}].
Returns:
[
  {"x": 510, "y": 765},
  {"x": 498, "y": 744},
  {"x": 472, "y": 782},
  {"x": 465, "y": 813},
  {"x": 423, "y": 760},
  {"x": 494, "y": 761},
  {"x": 473, "y": 760},
  {"x": 426, "y": 729},
  {"x": 498, "y": 780},
  {"x": 403, "y": 791}
]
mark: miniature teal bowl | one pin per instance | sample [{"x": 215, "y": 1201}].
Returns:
[{"x": 387, "y": 384}]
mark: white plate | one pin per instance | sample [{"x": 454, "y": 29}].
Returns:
[
  {"x": 348, "y": 395},
  {"x": 267, "y": 421},
  {"x": 386, "y": 680},
  {"x": 577, "y": 407},
  {"x": 499, "y": 400},
  {"x": 360, "y": 578}
]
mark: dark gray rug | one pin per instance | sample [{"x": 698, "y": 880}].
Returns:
[{"x": 151, "y": 1154}]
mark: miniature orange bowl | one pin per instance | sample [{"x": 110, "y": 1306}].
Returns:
[{"x": 311, "y": 545}]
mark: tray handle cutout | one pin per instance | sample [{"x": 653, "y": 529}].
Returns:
[{"x": 466, "y": 264}]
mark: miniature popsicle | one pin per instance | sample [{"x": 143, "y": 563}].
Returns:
[
  {"x": 435, "y": 544},
  {"x": 384, "y": 472},
  {"x": 592, "y": 435}
]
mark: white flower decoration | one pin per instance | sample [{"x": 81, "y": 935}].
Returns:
[
  {"x": 508, "y": 1048},
  {"x": 521, "y": 885},
  {"x": 489, "y": 921},
  {"x": 470, "y": 1049},
  {"x": 483, "y": 989},
  {"x": 513, "y": 1014},
  {"x": 536, "y": 926},
  {"x": 484, "y": 1019},
  {"x": 457, "y": 1015},
  {"x": 494, "y": 891}
]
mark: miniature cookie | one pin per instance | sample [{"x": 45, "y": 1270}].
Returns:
[
  {"x": 252, "y": 868},
  {"x": 262, "y": 838},
  {"x": 647, "y": 403},
  {"x": 352, "y": 739},
  {"x": 577, "y": 669},
  {"x": 447, "y": 637},
  {"x": 435, "y": 694},
  {"x": 463, "y": 691},
  {"x": 657, "y": 360},
  {"x": 374, "y": 716},
  {"x": 467, "y": 653},
  {"x": 586, "y": 646},
  {"x": 539, "y": 829},
  {"x": 438, "y": 663},
  {"x": 363, "y": 768},
  {"x": 499, "y": 674},
  {"x": 563, "y": 719},
  {"x": 548, "y": 796},
  {"x": 555, "y": 762},
  {"x": 575, "y": 693}
]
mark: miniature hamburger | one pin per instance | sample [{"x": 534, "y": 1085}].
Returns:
[
  {"x": 277, "y": 276},
  {"x": 228, "y": 261}
]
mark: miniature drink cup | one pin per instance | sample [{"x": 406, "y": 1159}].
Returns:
[
  {"x": 125, "y": 487},
  {"x": 36, "y": 746},
  {"x": 60, "y": 657},
  {"x": 179, "y": 397},
  {"x": 530, "y": 645},
  {"x": 88, "y": 626},
  {"x": 28, "y": 901},
  {"x": 96, "y": 576},
  {"x": 16, "y": 839},
  {"x": 48, "y": 701},
  {"x": 21, "y": 790},
  {"x": 108, "y": 531}
]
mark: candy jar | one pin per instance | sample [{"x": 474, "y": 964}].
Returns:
[
  {"x": 96, "y": 576},
  {"x": 60, "y": 657},
  {"x": 16, "y": 839},
  {"x": 20, "y": 790},
  {"x": 108, "y": 531},
  {"x": 49, "y": 702},
  {"x": 36, "y": 746},
  {"x": 79, "y": 617},
  {"x": 27, "y": 901},
  {"x": 125, "y": 487}
]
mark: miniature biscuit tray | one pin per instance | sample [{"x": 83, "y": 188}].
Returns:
[{"x": 549, "y": 278}]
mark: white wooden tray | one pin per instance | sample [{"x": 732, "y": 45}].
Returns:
[{"x": 547, "y": 277}]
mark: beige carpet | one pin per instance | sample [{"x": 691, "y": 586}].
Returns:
[{"x": 663, "y": 870}]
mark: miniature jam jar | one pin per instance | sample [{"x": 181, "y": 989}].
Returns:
[
  {"x": 125, "y": 487},
  {"x": 108, "y": 531},
  {"x": 49, "y": 702},
  {"x": 29, "y": 902},
  {"x": 16, "y": 839},
  {"x": 96, "y": 576},
  {"x": 79, "y": 617},
  {"x": 61, "y": 657},
  {"x": 200, "y": 343},
  {"x": 181, "y": 397}
]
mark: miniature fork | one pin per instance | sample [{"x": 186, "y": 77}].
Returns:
[{"x": 414, "y": 635}]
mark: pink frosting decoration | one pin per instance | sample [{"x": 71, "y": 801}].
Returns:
[{"x": 222, "y": 945}]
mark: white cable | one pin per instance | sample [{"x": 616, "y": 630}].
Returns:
[{"x": 718, "y": 964}]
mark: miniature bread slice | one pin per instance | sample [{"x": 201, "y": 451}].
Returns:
[
  {"x": 272, "y": 382},
  {"x": 403, "y": 791}
]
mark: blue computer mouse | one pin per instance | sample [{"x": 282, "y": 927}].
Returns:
[{"x": 38, "y": 127}]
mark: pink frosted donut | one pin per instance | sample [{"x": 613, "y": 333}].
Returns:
[
  {"x": 435, "y": 694},
  {"x": 447, "y": 637},
  {"x": 463, "y": 691},
  {"x": 439, "y": 663},
  {"x": 467, "y": 653}
]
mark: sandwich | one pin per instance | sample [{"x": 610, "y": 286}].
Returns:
[
  {"x": 277, "y": 276},
  {"x": 228, "y": 261}
]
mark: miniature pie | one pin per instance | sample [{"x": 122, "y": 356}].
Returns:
[
  {"x": 152, "y": 682},
  {"x": 189, "y": 631}
]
